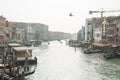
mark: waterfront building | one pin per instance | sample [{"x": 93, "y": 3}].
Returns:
[
  {"x": 35, "y": 31},
  {"x": 17, "y": 30},
  {"x": 113, "y": 30},
  {"x": 58, "y": 35},
  {"x": 93, "y": 30},
  {"x": 81, "y": 34},
  {"x": 28, "y": 31},
  {"x": 97, "y": 30},
  {"x": 88, "y": 29},
  {"x": 4, "y": 29},
  {"x": 40, "y": 31}
]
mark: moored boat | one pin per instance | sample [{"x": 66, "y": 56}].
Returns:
[
  {"x": 96, "y": 48},
  {"x": 24, "y": 54}
]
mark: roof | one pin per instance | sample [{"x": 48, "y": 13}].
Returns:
[
  {"x": 21, "y": 49},
  {"x": 14, "y": 45}
]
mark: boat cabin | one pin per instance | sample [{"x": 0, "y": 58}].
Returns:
[
  {"x": 10, "y": 45},
  {"x": 14, "y": 45},
  {"x": 22, "y": 52}
]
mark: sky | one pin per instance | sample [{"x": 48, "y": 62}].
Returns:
[{"x": 55, "y": 13}]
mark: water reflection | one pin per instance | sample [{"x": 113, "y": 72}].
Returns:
[{"x": 58, "y": 61}]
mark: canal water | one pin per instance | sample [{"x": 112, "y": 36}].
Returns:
[{"x": 58, "y": 61}]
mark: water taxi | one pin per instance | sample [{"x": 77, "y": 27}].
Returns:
[{"x": 24, "y": 55}]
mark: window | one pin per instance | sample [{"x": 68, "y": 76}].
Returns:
[
  {"x": 116, "y": 40},
  {"x": 117, "y": 29},
  {"x": 99, "y": 29},
  {"x": 98, "y": 35}
]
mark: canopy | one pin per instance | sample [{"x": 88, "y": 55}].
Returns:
[{"x": 100, "y": 45}]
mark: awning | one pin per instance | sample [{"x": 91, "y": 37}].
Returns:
[{"x": 100, "y": 45}]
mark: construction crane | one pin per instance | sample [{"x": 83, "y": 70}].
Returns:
[
  {"x": 102, "y": 19},
  {"x": 103, "y": 11}
]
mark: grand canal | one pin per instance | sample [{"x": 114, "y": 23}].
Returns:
[{"x": 58, "y": 61}]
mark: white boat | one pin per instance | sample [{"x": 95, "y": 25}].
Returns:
[
  {"x": 20, "y": 54},
  {"x": 24, "y": 55}
]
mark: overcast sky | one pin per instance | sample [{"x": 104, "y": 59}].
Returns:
[{"x": 55, "y": 13}]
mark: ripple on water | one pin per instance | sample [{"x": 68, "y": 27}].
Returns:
[{"x": 60, "y": 62}]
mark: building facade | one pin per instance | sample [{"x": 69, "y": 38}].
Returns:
[
  {"x": 88, "y": 29},
  {"x": 97, "y": 30},
  {"x": 28, "y": 31},
  {"x": 17, "y": 31},
  {"x": 93, "y": 30},
  {"x": 81, "y": 34},
  {"x": 113, "y": 29},
  {"x": 58, "y": 35},
  {"x": 4, "y": 29}
]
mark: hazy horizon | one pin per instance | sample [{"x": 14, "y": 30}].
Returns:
[{"x": 55, "y": 13}]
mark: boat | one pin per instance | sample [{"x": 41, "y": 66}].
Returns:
[
  {"x": 36, "y": 43},
  {"x": 9, "y": 47},
  {"x": 27, "y": 44},
  {"x": 23, "y": 55},
  {"x": 29, "y": 72},
  {"x": 96, "y": 48},
  {"x": 88, "y": 51},
  {"x": 17, "y": 76},
  {"x": 112, "y": 52},
  {"x": 13, "y": 57}
]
